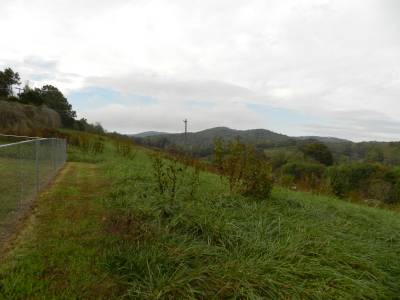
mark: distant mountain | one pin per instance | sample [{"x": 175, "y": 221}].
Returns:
[
  {"x": 147, "y": 133},
  {"x": 323, "y": 139},
  {"x": 202, "y": 142}
]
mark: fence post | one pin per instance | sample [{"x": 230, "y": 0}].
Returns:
[
  {"x": 21, "y": 179},
  {"x": 37, "y": 170}
]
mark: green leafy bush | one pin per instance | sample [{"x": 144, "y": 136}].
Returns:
[
  {"x": 173, "y": 178},
  {"x": 247, "y": 170},
  {"x": 318, "y": 152},
  {"x": 366, "y": 180},
  {"x": 309, "y": 175}
]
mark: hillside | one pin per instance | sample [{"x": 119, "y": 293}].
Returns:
[
  {"x": 202, "y": 143},
  {"x": 147, "y": 134},
  {"x": 17, "y": 117},
  {"x": 103, "y": 231},
  {"x": 323, "y": 139}
]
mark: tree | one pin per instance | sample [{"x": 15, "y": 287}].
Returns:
[
  {"x": 83, "y": 125},
  {"x": 374, "y": 155},
  {"x": 318, "y": 152},
  {"x": 54, "y": 99},
  {"x": 247, "y": 171},
  {"x": 31, "y": 96},
  {"x": 8, "y": 78}
]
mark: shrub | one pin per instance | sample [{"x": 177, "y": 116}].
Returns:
[
  {"x": 363, "y": 179},
  {"x": 22, "y": 119},
  {"x": 168, "y": 175},
  {"x": 124, "y": 148},
  {"x": 257, "y": 180},
  {"x": 98, "y": 146},
  {"x": 342, "y": 181},
  {"x": 247, "y": 171},
  {"x": 309, "y": 175},
  {"x": 318, "y": 152}
]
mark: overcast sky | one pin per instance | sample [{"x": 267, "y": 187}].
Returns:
[{"x": 299, "y": 67}]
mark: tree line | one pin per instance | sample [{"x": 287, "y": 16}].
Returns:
[{"x": 47, "y": 95}]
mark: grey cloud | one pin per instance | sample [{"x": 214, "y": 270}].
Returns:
[
  {"x": 314, "y": 56},
  {"x": 360, "y": 125},
  {"x": 39, "y": 71},
  {"x": 168, "y": 117},
  {"x": 176, "y": 90}
]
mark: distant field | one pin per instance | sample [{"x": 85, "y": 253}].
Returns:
[{"x": 103, "y": 231}]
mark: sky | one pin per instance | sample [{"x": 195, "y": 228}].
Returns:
[{"x": 298, "y": 67}]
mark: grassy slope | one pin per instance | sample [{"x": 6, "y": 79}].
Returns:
[{"x": 102, "y": 230}]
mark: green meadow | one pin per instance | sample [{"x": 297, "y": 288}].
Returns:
[{"x": 102, "y": 230}]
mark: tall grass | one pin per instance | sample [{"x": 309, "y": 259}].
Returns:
[
  {"x": 219, "y": 245},
  {"x": 116, "y": 229}
]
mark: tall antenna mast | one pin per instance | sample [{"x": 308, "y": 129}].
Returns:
[{"x": 185, "y": 121}]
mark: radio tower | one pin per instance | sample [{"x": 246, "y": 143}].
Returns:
[{"x": 185, "y": 121}]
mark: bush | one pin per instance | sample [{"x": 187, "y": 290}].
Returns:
[
  {"x": 124, "y": 148},
  {"x": 22, "y": 119},
  {"x": 174, "y": 179},
  {"x": 353, "y": 178},
  {"x": 309, "y": 175},
  {"x": 247, "y": 171},
  {"x": 318, "y": 152},
  {"x": 366, "y": 180}
]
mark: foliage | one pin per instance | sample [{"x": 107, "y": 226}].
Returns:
[
  {"x": 100, "y": 232},
  {"x": 172, "y": 177},
  {"x": 309, "y": 175},
  {"x": 22, "y": 119},
  {"x": 318, "y": 152},
  {"x": 31, "y": 96},
  {"x": 124, "y": 147},
  {"x": 366, "y": 180},
  {"x": 8, "y": 78},
  {"x": 374, "y": 155},
  {"x": 247, "y": 171},
  {"x": 87, "y": 143},
  {"x": 48, "y": 96},
  {"x": 54, "y": 99},
  {"x": 322, "y": 149},
  {"x": 83, "y": 125},
  {"x": 202, "y": 143}
]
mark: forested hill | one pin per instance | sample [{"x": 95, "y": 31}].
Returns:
[
  {"x": 202, "y": 143},
  {"x": 36, "y": 108},
  {"x": 22, "y": 118}
]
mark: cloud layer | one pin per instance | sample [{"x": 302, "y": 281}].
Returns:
[{"x": 298, "y": 67}]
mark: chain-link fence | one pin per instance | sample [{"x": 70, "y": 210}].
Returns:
[{"x": 26, "y": 166}]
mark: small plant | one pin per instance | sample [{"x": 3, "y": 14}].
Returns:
[
  {"x": 124, "y": 148},
  {"x": 247, "y": 171},
  {"x": 173, "y": 177},
  {"x": 159, "y": 172},
  {"x": 193, "y": 180},
  {"x": 84, "y": 143},
  {"x": 173, "y": 172},
  {"x": 257, "y": 181},
  {"x": 97, "y": 146}
]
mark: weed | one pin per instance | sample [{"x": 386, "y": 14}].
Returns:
[{"x": 247, "y": 171}]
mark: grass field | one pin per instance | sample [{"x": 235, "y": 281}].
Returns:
[
  {"x": 19, "y": 181},
  {"x": 103, "y": 231}
]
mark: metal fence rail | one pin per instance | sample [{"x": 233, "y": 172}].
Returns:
[{"x": 25, "y": 168}]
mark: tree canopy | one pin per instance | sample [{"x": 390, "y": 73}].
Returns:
[
  {"x": 8, "y": 78},
  {"x": 318, "y": 152},
  {"x": 47, "y": 95}
]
